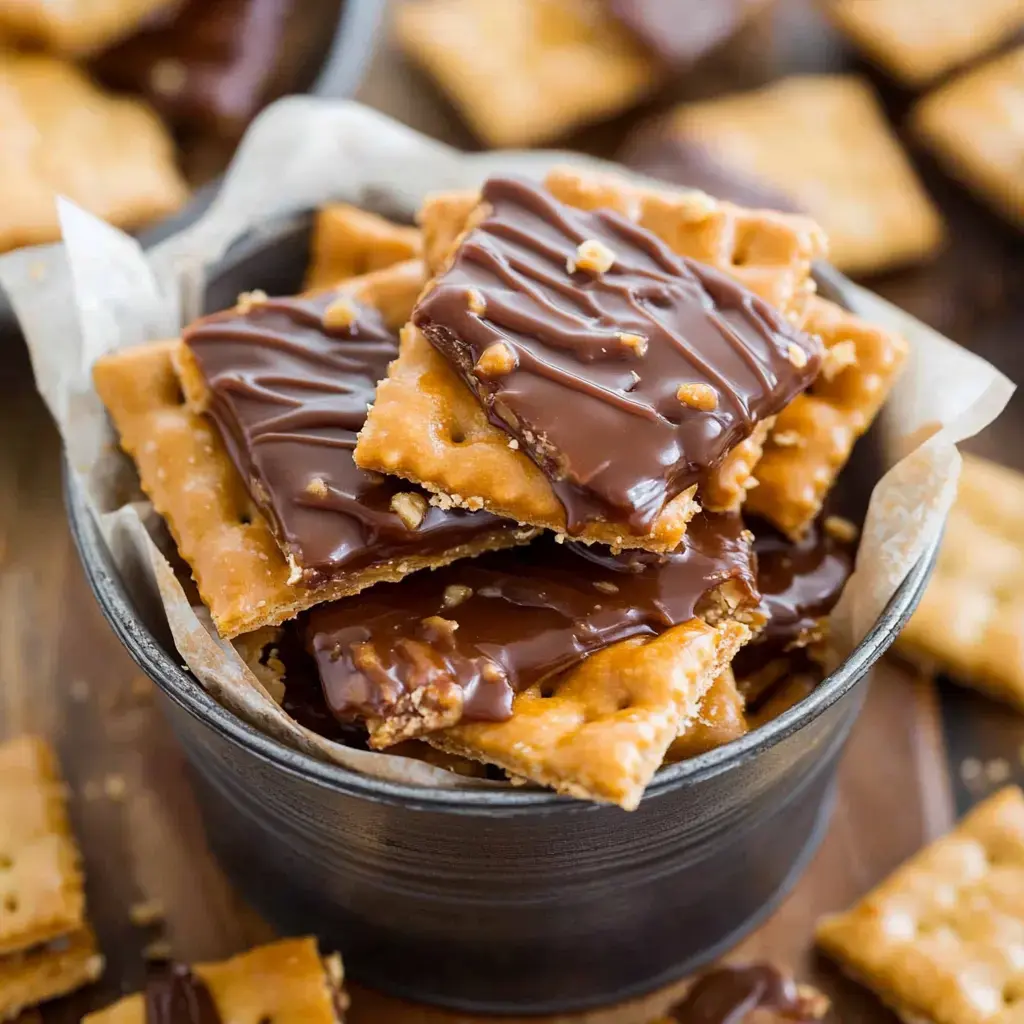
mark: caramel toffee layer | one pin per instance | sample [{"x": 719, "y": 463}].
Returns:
[
  {"x": 728, "y": 995},
  {"x": 289, "y": 387},
  {"x": 625, "y": 371},
  {"x": 174, "y": 995},
  {"x": 497, "y": 624},
  {"x": 800, "y": 583}
]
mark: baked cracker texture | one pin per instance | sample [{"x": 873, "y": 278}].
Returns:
[
  {"x": 185, "y": 470},
  {"x": 940, "y": 939},
  {"x": 75, "y": 27},
  {"x": 286, "y": 982},
  {"x": 428, "y": 427},
  {"x": 975, "y": 127},
  {"x": 719, "y": 720},
  {"x": 812, "y": 438},
  {"x": 824, "y": 141},
  {"x": 970, "y": 621},
  {"x": 919, "y": 40},
  {"x": 525, "y": 71},
  {"x": 65, "y": 136},
  {"x": 349, "y": 242},
  {"x": 601, "y": 731}
]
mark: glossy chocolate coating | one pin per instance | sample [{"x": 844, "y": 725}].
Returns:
[
  {"x": 174, "y": 995},
  {"x": 288, "y": 396},
  {"x": 209, "y": 64},
  {"x": 521, "y": 618},
  {"x": 660, "y": 153},
  {"x": 727, "y": 995},
  {"x": 679, "y": 32},
  {"x": 599, "y": 414}
]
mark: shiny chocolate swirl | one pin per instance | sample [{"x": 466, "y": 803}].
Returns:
[
  {"x": 728, "y": 995},
  {"x": 678, "y": 32},
  {"x": 626, "y": 372},
  {"x": 289, "y": 393},
  {"x": 503, "y": 622},
  {"x": 175, "y": 995}
]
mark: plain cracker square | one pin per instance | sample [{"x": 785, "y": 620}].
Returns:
[
  {"x": 975, "y": 127},
  {"x": 65, "y": 136},
  {"x": 918, "y": 40},
  {"x": 971, "y": 618},
  {"x": 824, "y": 141},
  {"x": 428, "y": 427},
  {"x": 286, "y": 982},
  {"x": 525, "y": 71},
  {"x": 940, "y": 939},
  {"x": 41, "y": 886}
]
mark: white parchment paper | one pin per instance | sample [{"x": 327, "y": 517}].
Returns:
[{"x": 98, "y": 292}]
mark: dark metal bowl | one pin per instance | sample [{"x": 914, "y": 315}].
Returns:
[{"x": 497, "y": 901}]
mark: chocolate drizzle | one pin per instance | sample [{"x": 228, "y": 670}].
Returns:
[
  {"x": 727, "y": 995},
  {"x": 592, "y": 392},
  {"x": 288, "y": 396},
  {"x": 174, "y": 995},
  {"x": 498, "y": 624}
]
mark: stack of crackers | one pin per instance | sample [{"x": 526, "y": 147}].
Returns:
[
  {"x": 591, "y": 534},
  {"x": 47, "y": 947}
]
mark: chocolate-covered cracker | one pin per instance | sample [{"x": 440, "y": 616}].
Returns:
[
  {"x": 626, "y": 372},
  {"x": 461, "y": 642}
]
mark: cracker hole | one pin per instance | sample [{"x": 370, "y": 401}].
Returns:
[
  {"x": 11, "y": 903},
  {"x": 245, "y": 519},
  {"x": 6, "y": 863},
  {"x": 457, "y": 435},
  {"x": 547, "y": 690},
  {"x": 625, "y": 702}
]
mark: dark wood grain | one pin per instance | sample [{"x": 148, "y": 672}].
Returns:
[{"x": 62, "y": 672}]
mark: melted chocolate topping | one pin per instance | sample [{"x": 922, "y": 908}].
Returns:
[
  {"x": 521, "y": 618},
  {"x": 594, "y": 361},
  {"x": 288, "y": 396},
  {"x": 658, "y": 152},
  {"x": 174, "y": 995},
  {"x": 727, "y": 995},
  {"x": 678, "y": 32}
]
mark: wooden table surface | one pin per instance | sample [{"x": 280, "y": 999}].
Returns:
[{"x": 63, "y": 674}]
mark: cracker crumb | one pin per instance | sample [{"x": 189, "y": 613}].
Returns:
[
  {"x": 442, "y": 501},
  {"x": 78, "y": 691},
  {"x": 114, "y": 787},
  {"x": 146, "y": 913},
  {"x": 593, "y": 256},
  {"x": 698, "y": 396},
  {"x": 606, "y": 586},
  {"x": 410, "y": 508},
  {"x": 295, "y": 571},
  {"x": 496, "y": 360},
  {"x": 340, "y": 314},
  {"x": 841, "y": 529},
  {"x": 839, "y": 357},
  {"x": 248, "y": 301},
  {"x": 513, "y": 444},
  {"x": 317, "y": 487},
  {"x": 636, "y": 342},
  {"x": 159, "y": 950},
  {"x": 788, "y": 439},
  {"x": 559, "y": 538},
  {"x": 456, "y": 593},
  {"x": 475, "y": 301},
  {"x": 403, "y": 567},
  {"x": 797, "y": 356},
  {"x": 474, "y": 503}
]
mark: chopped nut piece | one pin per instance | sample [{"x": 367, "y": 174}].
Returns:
[
  {"x": 317, "y": 487},
  {"x": 592, "y": 255},
  {"x": 496, "y": 361},
  {"x": 606, "y": 587},
  {"x": 341, "y": 313},
  {"x": 698, "y": 396},
  {"x": 248, "y": 301},
  {"x": 839, "y": 357},
  {"x": 637, "y": 342},
  {"x": 410, "y": 508},
  {"x": 841, "y": 529},
  {"x": 456, "y": 594},
  {"x": 146, "y": 913},
  {"x": 476, "y": 302},
  {"x": 797, "y": 356}
]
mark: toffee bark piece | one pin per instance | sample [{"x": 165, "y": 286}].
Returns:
[
  {"x": 627, "y": 373},
  {"x": 720, "y": 720},
  {"x": 184, "y": 467},
  {"x": 459, "y": 643}
]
